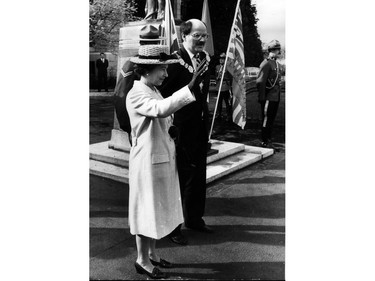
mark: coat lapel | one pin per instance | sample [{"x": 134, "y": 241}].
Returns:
[{"x": 185, "y": 56}]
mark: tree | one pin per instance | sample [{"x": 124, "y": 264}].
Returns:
[
  {"x": 106, "y": 18},
  {"x": 252, "y": 42}
]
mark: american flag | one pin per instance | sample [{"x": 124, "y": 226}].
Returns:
[
  {"x": 168, "y": 29},
  {"x": 236, "y": 67}
]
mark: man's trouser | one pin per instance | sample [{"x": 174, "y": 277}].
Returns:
[{"x": 269, "y": 110}]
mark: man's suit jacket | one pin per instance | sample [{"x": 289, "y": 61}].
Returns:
[
  {"x": 191, "y": 120},
  {"x": 102, "y": 66}
]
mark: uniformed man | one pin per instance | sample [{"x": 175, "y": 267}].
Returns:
[
  {"x": 225, "y": 93},
  {"x": 268, "y": 84}
]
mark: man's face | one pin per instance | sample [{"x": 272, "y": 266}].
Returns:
[
  {"x": 276, "y": 52},
  {"x": 197, "y": 38},
  {"x": 222, "y": 60},
  {"x": 102, "y": 56}
]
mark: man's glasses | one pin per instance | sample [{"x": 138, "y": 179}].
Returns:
[{"x": 198, "y": 36}]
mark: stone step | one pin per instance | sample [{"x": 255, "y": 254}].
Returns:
[
  {"x": 236, "y": 162},
  {"x": 225, "y": 149},
  {"x": 215, "y": 170},
  {"x": 109, "y": 171},
  {"x": 101, "y": 152}
]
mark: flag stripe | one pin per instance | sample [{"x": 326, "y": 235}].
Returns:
[{"x": 236, "y": 65}]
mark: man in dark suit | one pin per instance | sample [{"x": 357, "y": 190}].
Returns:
[
  {"x": 192, "y": 123},
  {"x": 102, "y": 65}
]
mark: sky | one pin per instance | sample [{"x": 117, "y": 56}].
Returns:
[{"x": 271, "y": 24}]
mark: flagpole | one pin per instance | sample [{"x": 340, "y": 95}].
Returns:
[
  {"x": 167, "y": 19},
  {"x": 224, "y": 69}
]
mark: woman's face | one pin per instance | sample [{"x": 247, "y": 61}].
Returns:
[{"x": 157, "y": 75}]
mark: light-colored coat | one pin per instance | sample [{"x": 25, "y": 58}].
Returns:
[{"x": 155, "y": 207}]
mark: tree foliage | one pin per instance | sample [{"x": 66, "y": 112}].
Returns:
[
  {"x": 106, "y": 18},
  {"x": 252, "y": 42}
]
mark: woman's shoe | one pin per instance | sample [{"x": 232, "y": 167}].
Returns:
[
  {"x": 162, "y": 263},
  {"x": 155, "y": 274}
]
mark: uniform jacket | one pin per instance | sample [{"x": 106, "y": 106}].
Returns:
[
  {"x": 124, "y": 83},
  {"x": 191, "y": 120},
  {"x": 154, "y": 194},
  {"x": 269, "y": 75},
  {"x": 226, "y": 81},
  {"x": 102, "y": 66}
]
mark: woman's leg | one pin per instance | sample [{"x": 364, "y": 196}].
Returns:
[
  {"x": 143, "y": 248},
  {"x": 152, "y": 252}
]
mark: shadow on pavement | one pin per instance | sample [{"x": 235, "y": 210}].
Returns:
[
  {"x": 269, "y": 206},
  {"x": 231, "y": 271}
]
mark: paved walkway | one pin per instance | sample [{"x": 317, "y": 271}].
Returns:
[{"x": 246, "y": 210}]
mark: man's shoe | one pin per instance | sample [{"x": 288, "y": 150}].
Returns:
[
  {"x": 178, "y": 239},
  {"x": 270, "y": 145},
  {"x": 202, "y": 228}
]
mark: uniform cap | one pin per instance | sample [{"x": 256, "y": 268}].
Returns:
[
  {"x": 150, "y": 33},
  {"x": 274, "y": 44}
]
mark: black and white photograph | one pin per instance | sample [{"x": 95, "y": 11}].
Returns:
[{"x": 187, "y": 140}]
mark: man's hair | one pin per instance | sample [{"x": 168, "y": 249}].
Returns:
[
  {"x": 185, "y": 27},
  {"x": 102, "y": 53}
]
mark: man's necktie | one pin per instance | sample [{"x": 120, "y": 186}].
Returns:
[{"x": 197, "y": 60}]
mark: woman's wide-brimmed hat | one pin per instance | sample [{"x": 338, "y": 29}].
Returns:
[{"x": 154, "y": 54}]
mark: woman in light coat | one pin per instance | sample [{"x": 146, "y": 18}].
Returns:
[{"x": 155, "y": 207}]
